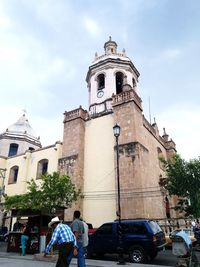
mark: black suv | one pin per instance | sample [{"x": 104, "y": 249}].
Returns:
[{"x": 141, "y": 239}]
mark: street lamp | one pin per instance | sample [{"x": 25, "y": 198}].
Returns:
[{"x": 116, "y": 131}]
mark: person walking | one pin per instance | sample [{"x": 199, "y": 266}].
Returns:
[
  {"x": 63, "y": 235},
  {"x": 25, "y": 237},
  {"x": 78, "y": 230},
  {"x": 85, "y": 237}
]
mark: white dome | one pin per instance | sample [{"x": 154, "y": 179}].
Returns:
[{"x": 21, "y": 128}]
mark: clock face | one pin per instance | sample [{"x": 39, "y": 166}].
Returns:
[{"x": 100, "y": 93}]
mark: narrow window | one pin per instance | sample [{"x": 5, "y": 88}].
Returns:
[
  {"x": 13, "y": 175},
  {"x": 101, "y": 81},
  {"x": 31, "y": 148},
  {"x": 119, "y": 82},
  {"x": 42, "y": 167},
  {"x": 134, "y": 83},
  {"x": 13, "y": 150},
  {"x": 160, "y": 156},
  {"x": 167, "y": 207}
]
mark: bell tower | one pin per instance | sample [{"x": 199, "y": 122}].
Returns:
[{"x": 110, "y": 73}]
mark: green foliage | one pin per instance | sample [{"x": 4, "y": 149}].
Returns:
[
  {"x": 54, "y": 190},
  {"x": 183, "y": 180}
]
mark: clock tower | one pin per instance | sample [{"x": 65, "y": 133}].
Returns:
[{"x": 110, "y": 73}]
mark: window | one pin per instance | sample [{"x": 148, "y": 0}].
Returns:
[
  {"x": 13, "y": 150},
  {"x": 134, "y": 82},
  {"x": 13, "y": 175},
  {"x": 31, "y": 148},
  {"x": 101, "y": 81},
  {"x": 42, "y": 167},
  {"x": 105, "y": 229},
  {"x": 134, "y": 228},
  {"x": 160, "y": 156},
  {"x": 119, "y": 82}
]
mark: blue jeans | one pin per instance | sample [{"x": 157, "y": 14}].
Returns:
[
  {"x": 24, "y": 239},
  {"x": 80, "y": 256}
]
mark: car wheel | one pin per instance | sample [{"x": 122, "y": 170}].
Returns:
[{"x": 137, "y": 254}]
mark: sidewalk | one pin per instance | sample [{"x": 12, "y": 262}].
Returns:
[{"x": 89, "y": 262}]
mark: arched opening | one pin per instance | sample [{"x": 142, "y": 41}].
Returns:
[
  {"x": 101, "y": 81},
  {"x": 13, "y": 150},
  {"x": 13, "y": 175},
  {"x": 119, "y": 82},
  {"x": 42, "y": 167}
]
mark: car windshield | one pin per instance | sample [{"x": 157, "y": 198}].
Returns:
[{"x": 155, "y": 227}]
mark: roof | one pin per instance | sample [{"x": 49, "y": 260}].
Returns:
[
  {"x": 21, "y": 126},
  {"x": 21, "y": 129}
]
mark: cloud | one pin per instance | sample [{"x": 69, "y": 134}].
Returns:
[
  {"x": 171, "y": 53},
  {"x": 181, "y": 123},
  {"x": 4, "y": 22},
  {"x": 91, "y": 26}
]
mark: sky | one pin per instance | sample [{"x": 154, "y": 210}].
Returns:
[{"x": 47, "y": 46}]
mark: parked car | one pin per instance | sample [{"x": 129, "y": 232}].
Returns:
[
  {"x": 141, "y": 239},
  {"x": 4, "y": 233},
  {"x": 91, "y": 230},
  {"x": 188, "y": 231}
]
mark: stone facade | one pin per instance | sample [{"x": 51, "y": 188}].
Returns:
[{"x": 72, "y": 161}]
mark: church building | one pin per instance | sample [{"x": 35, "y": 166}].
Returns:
[
  {"x": 88, "y": 152},
  {"x": 89, "y": 147}
]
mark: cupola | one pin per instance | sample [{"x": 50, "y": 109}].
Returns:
[{"x": 18, "y": 138}]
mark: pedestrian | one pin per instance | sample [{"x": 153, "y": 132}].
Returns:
[
  {"x": 85, "y": 237},
  {"x": 63, "y": 235},
  {"x": 25, "y": 237},
  {"x": 78, "y": 230}
]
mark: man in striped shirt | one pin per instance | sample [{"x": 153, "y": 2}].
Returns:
[{"x": 66, "y": 240}]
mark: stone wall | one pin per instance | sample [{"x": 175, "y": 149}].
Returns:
[{"x": 72, "y": 161}]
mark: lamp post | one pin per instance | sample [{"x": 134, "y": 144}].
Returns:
[{"x": 116, "y": 131}]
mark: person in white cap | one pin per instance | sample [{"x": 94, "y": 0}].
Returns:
[{"x": 63, "y": 235}]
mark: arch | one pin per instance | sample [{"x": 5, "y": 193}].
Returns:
[
  {"x": 42, "y": 167},
  {"x": 13, "y": 149},
  {"x": 13, "y": 175},
  {"x": 101, "y": 81},
  {"x": 119, "y": 77}
]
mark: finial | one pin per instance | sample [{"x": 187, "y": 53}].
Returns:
[
  {"x": 110, "y": 39},
  {"x": 164, "y": 132},
  {"x": 96, "y": 55},
  {"x": 24, "y": 111},
  {"x": 154, "y": 119}
]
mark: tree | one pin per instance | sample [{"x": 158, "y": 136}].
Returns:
[
  {"x": 183, "y": 180},
  {"x": 55, "y": 190}
]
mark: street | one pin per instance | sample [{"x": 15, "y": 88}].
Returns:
[{"x": 164, "y": 258}]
